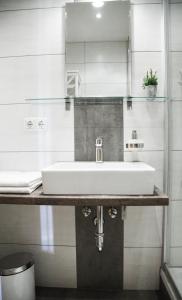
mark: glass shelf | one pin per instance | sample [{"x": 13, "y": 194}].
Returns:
[
  {"x": 158, "y": 98},
  {"x": 95, "y": 100},
  {"x": 86, "y": 101},
  {"x": 69, "y": 102},
  {"x": 46, "y": 100}
]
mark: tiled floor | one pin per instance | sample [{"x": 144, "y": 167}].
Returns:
[{"x": 67, "y": 294}]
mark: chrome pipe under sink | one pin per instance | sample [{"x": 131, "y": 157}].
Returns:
[{"x": 99, "y": 235}]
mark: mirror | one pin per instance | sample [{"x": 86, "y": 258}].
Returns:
[{"x": 97, "y": 43}]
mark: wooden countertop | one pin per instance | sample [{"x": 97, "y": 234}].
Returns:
[{"x": 38, "y": 198}]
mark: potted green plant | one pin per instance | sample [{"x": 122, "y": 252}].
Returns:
[{"x": 150, "y": 83}]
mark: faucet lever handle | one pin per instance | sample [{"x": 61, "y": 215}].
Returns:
[{"x": 99, "y": 141}]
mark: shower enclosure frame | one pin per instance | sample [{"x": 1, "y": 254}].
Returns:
[{"x": 166, "y": 277}]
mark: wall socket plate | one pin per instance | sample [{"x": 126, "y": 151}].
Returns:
[{"x": 35, "y": 124}]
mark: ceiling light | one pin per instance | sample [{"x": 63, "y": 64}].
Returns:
[
  {"x": 98, "y": 3},
  {"x": 98, "y": 16}
]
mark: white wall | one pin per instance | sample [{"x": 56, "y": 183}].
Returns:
[
  {"x": 32, "y": 65},
  {"x": 32, "y": 61},
  {"x": 102, "y": 67},
  {"x": 176, "y": 129},
  {"x": 143, "y": 226}
]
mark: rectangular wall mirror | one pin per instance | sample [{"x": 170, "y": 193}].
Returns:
[{"x": 97, "y": 44}]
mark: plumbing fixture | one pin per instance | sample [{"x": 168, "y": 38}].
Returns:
[
  {"x": 86, "y": 211},
  {"x": 112, "y": 212},
  {"x": 99, "y": 149},
  {"x": 99, "y": 235},
  {"x": 123, "y": 212},
  {"x": 29, "y": 124}
]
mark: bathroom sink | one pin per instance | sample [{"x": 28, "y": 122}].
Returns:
[{"x": 125, "y": 178}]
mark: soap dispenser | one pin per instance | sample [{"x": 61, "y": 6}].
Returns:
[{"x": 134, "y": 144}]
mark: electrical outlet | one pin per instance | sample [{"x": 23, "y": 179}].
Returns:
[
  {"x": 29, "y": 123},
  {"x": 35, "y": 124},
  {"x": 41, "y": 123}
]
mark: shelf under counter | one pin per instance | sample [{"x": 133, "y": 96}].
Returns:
[{"x": 38, "y": 198}]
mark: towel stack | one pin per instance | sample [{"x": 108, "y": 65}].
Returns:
[{"x": 19, "y": 182}]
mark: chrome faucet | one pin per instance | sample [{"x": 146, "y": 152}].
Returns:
[{"x": 99, "y": 149}]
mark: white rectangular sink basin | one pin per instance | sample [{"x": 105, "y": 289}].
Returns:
[{"x": 119, "y": 178}]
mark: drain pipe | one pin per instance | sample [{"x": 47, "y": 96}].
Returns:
[{"x": 99, "y": 235}]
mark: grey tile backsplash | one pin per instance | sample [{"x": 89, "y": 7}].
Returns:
[{"x": 93, "y": 119}]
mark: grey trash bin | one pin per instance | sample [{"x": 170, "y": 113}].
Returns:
[{"x": 17, "y": 277}]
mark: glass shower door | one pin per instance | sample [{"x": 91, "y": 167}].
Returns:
[{"x": 174, "y": 230}]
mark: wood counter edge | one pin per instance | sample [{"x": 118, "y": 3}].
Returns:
[{"x": 38, "y": 198}]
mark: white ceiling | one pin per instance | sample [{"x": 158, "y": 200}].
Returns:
[{"x": 82, "y": 24}]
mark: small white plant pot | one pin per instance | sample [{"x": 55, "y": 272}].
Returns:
[{"x": 151, "y": 91}]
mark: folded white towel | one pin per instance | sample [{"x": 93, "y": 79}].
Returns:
[
  {"x": 19, "y": 179},
  {"x": 20, "y": 190}
]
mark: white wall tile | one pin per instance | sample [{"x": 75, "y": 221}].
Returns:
[
  {"x": 148, "y": 119},
  {"x": 141, "y": 268},
  {"x": 143, "y": 227},
  {"x": 176, "y": 24},
  {"x": 24, "y": 4},
  {"x": 28, "y": 32},
  {"x": 105, "y": 89},
  {"x": 106, "y": 73},
  {"x": 176, "y": 172},
  {"x": 32, "y": 33},
  {"x": 176, "y": 223},
  {"x": 146, "y": 33},
  {"x": 75, "y": 53},
  {"x": 176, "y": 125},
  {"x": 176, "y": 256},
  {"x": 59, "y": 135},
  {"x": 153, "y": 158},
  {"x": 141, "y": 62},
  {"x": 144, "y": 114},
  {"x": 41, "y": 225},
  {"x": 31, "y": 77},
  {"x": 153, "y": 137},
  {"x": 176, "y": 185},
  {"x": 54, "y": 266},
  {"x": 31, "y": 161},
  {"x": 175, "y": 76},
  {"x": 106, "y": 52}
]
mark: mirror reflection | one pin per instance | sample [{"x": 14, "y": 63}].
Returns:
[{"x": 97, "y": 43}]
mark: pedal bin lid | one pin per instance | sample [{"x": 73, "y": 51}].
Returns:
[{"x": 15, "y": 263}]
